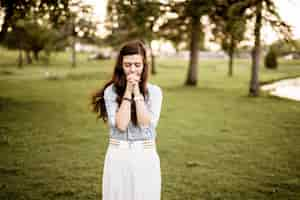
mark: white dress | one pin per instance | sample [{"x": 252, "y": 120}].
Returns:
[
  {"x": 131, "y": 169},
  {"x": 131, "y": 174}
]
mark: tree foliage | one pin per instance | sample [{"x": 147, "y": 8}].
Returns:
[
  {"x": 230, "y": 27},
  {"x": 134, "y": 19},
  {"x": 49, "y": 26}
]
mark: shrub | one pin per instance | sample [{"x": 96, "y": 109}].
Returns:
[{"x": 271, "y": 59}]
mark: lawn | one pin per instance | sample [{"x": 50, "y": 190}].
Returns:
[{"x": 214, "y": 141}]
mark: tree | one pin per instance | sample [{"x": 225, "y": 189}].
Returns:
[
  {"x": 187, "y": 16},
  {"x": 18, "y": 9},
  {"x": 28, "y": 36},
  {"x": 254, "y": 84},
  {"x": 41, "y": 31},
  {"x": 263, "y": 11},
  {"x": 230, "y": 27},
  {"x": 282, "y": 47},
  {"x": 133, "y": 19},
  {"x": 79, "y": 26},
  {"x": 178, "y": 29}
]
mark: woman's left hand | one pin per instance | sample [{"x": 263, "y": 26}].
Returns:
[{"x": 136, "y": 89}]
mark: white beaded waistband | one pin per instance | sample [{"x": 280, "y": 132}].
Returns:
[{"x": 145, "y": 144}]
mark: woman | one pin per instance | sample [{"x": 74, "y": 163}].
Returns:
[{"x": 131, "y": 106}]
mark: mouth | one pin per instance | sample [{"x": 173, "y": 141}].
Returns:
[{"x": 137, "y": 73}]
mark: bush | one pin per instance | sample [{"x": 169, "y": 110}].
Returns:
[{"x": 271, "y": 60}]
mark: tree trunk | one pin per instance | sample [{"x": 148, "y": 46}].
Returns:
[
  {"x": 47, "y": 58},
  {"x": 153, "y": 66},
  {"x": 36, "y": 55},
  {"x": 73, "y": 58},
  {"x": 73, "y": 52},
  {"x": 231, "y": 53},
  {"x": 28, "y": 57},
  {"x": 194, "y": 47},
  {"x": 254, "y": 84},
  {"x": 20, "y": 58}
]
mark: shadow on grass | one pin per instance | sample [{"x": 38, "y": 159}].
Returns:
[
  {"x": 8, "y": 103},
  {"x": 261, "y": 83},
  {"x": 7, "y": 73},
  {"x": 18, "y": 115}
]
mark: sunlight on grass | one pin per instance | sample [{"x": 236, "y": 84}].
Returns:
[{"x": 214, "y": 141}]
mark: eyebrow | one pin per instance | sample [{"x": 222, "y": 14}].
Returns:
[{"x": 133, "y": 62}]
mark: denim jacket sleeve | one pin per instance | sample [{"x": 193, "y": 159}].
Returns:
[
  {"x": 111, "y": 106},
  {"x": 154, "y": 105}
]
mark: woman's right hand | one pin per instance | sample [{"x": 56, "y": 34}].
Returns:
[{"x": 132, "y": 79}]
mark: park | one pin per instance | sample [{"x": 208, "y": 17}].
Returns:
[{"x": 220, "y": 136}]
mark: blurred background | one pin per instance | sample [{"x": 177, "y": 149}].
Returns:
[{"x": 230, "y": 75}]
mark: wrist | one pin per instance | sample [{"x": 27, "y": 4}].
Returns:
[
  {"x": 138, "y": 98},
  {"x": 127, "y": 94},
  {"x": 128, "y": 88},
  {"x": 127, "y": 99},
  {"x": 137, "y": 92}
]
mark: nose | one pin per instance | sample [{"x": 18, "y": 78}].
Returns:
[{"x": 132, "y": 69}]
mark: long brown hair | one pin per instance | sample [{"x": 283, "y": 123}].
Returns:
[{"x": 119, "y": 81}]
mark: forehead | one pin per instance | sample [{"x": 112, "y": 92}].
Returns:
[{"x": 133, "y": 58}]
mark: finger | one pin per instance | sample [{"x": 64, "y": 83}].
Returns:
[
  {"x": 131, "y": 80},
  {"x": 138, "y": 78},
  {"x": 134, "y": 82},
  {"x": 130, "y": 76}
]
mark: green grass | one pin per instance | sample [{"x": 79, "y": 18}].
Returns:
[{"x": 214, "y": 141}]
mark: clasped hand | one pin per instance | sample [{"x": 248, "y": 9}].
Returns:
[{"x": 133, "y": 80}]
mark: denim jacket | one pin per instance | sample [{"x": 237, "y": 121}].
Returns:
[{"x": 132, "y": 132}]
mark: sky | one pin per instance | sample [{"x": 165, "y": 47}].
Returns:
[
  {"x": 289, "y": 11},
  {"x": 100, "y": 11}
]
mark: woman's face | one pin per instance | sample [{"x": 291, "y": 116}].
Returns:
[{"x": 133, "y": 64}]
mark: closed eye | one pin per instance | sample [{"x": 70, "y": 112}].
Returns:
[
  {"x": 127, "y": 64},
  {"x": 137, "y": 64}
]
